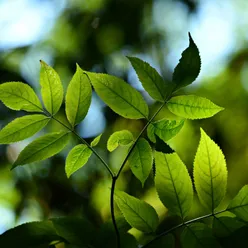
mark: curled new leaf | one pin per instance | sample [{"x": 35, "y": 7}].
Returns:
[
  {"x": 78, "y": 97},
  {"x": 119, "y": 96},
  {"x": 173, "y": 183},
  {"x": 192, "y": 107},
  {"x": 22, "y": 128},
  {"x": 137, "y": 213},
  {"x": 42, "y": 148},
  {"x": 51, "y": 88},
  {"x": 210, "y": 173},
  {"x": 96, "y": 140},
  {"x": 19, "y": 96},
  {"x": 188, "y": 67}
]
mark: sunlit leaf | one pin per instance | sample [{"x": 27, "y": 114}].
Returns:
[
  {"x": 164, "y": 129},
  {"x": 239, "y": 204},
  {"x": 78, "y": 97},
  {"x": 210, "y": 173},
  {"x": 192, "y": 107},
  {"x": 152, "y": 82},
  {"x": 198, "y": 235},
  {"x": 138, "y": 214},
  {"x": 22, "y": 128},
  {"x": 119, "y": 138},
  {"x": 51, "y": 88},
  {"x": 96, "y": 140},
  {"x": 42, "y": 148},
  {"x": 119, "y": 96},
  {"x": 189, "y": 66},
  {"x": 19, "y": 96},
  {"x": 77, "y": 158},
  {"x": 173, "y": 183},
  {"x": 140, "y": 160}
]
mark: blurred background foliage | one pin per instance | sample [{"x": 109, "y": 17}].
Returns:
[{"x": 98, "y": 34}]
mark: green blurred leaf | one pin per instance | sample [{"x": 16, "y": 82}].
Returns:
[
  {"x": 239, "y": 204},
  {"x": 164, "y": 129},
  {"x": 77, "y": 158},
  {"x": 167, "y": 241},
  {"x": 210, "y": 173},
  {"x": 96, "y": 140},
  {"x": 189, "y": 66},
  {"x": 140, "y": 160},
  {"x": 42, "y": 148},
  {"x": 152, "y": 82},
  {"x": 119, "y": 96},
  {"x": 51, "y": 88},
  {"x": 22, "y": 128},
  {"x": 137, "y": 213},
  {"x": 78, "y": 97},
  {"x": 119, "y": 138},
  {"x": 198, "y": 235},
  {"x": 173, "y": 183},
  {"x": 19, "y": 96},
  {"x": 192, "y": 107}
]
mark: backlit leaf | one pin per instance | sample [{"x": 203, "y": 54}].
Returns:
[
  {"x": 137, "y": 213},
  {"x": 78, "y": 97},
  {"x": 140, "y": 160},
  {"x": 42, "y": 148},
  {"x": 210, "y": 173},
  {"x": 119, "y": 96},
  {"x": 19, "y": 96},
  {"x": 173, "y": 183},
  {"x": 51, "y": 88},
  {"x": 189, "y": 66},
  {"x": 77, "y": 158},
  {"x": 96, "y": 140},
  {"x": 22, "y": 128},
  {"x": 192, "y": 107},
  {"x": 119, "y": 138}
]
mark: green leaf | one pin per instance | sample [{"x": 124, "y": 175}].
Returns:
[
  {"x": 239, "y": 204},
  {"x": 152, "y": 82},
  {"x": 192, "y": 107},
  {"x": 189, "y": 66},
  {"x": 22, "y": 128},
  {"x": 42, "y": 148},
  {"x": 119, "y": 138},
  {"x": 29, "y": 235},
  {"x": 137, "y": 213},
  {"x": 119, "y": 96},
  {"x": 78, "y": 97},
  {"x": 167, "y": 241},
  {"x": 19, "y": 96},
  {"x": 198, "y": 235},
  {"x": 140, "y": 160},
  {"x": 95, "y": 141},
  {"x": 77, "y": 158},
  {"x": 164, "y": 129},
  {"x": 210, "y": 173},
  {"x": 173, "y": 183},
  {"x": 51, "y": 88}
]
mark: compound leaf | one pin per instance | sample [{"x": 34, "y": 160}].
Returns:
[
  {"x": 198, "y": 235},
  {"x": 152, "y": 82},
  {"x": 192, "y": 107},
  {"x": 189, "y": 66},
  {"x": 140, "y": 160},
  {"x": 119, "y": 138},
  {"x": 19, "y": 96},
  {"x": 22, "y": 128},
  {"x": 164, "y": 129},
  {"x": 78, "y": 97},
  {"x": 42, "y": 148},
  {"x": 210, "y": 173},
  {"x": 96, "y": 140},
  {"x": 51, "y": 88},
  {"x": 137, "y": 213},
  {"x": 119, "y": 96},
  {"x": 77, "y": 158},
  {"x": 173, "y": 183},
  {"x": 239, "y": 204}
]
